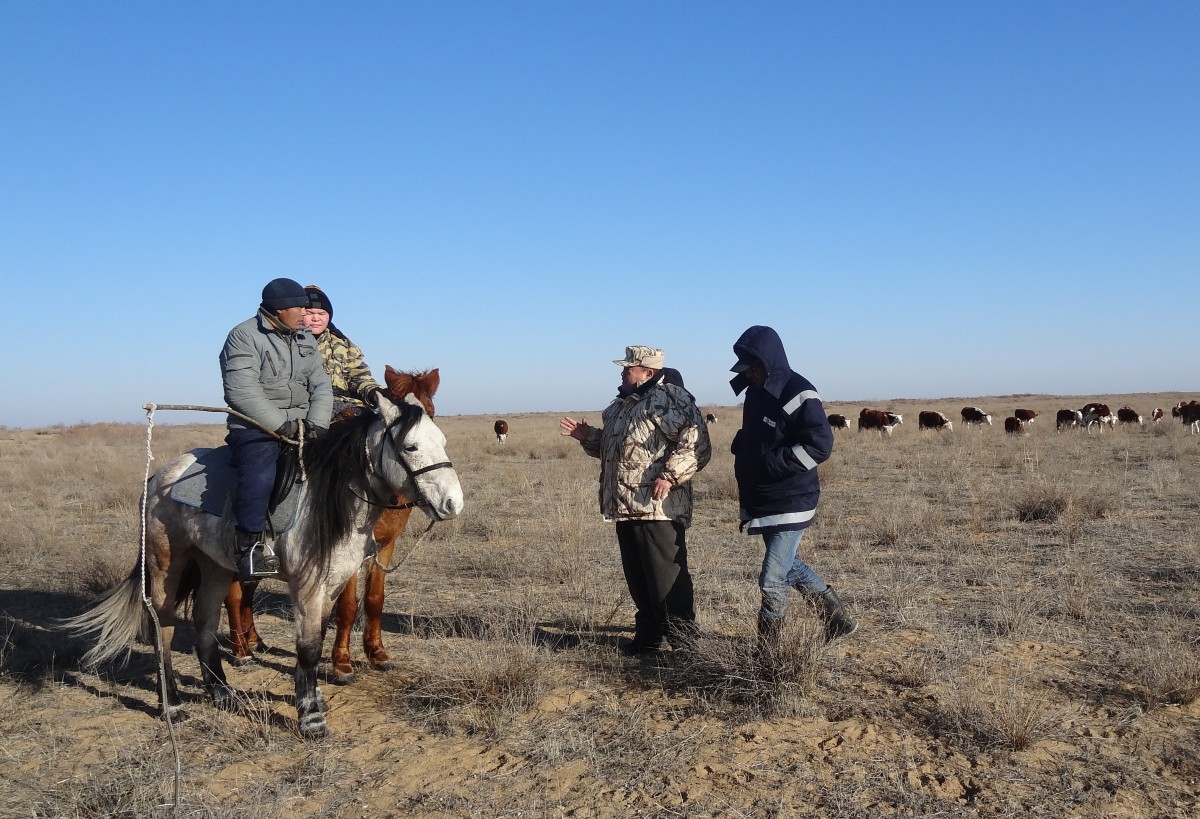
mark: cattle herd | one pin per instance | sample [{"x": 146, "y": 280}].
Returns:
[{"x": 1094, "y": 415}]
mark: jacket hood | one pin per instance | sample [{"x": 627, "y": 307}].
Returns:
[{"x": 762, "y": 343}]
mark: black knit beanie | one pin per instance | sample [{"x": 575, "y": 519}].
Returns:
[
  {"x": 280, "y": 294},
  {"x": 318, "y": 300}
]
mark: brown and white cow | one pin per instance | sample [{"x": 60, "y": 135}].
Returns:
[
  {"x": 1025, "y": 416},
  {"x": 931, "y": 419},
  {"x": 1098, "y": 415},
  {"x": 1068, "y": 418},
  {"x": 974, "y": 417},
  {"x": 1157, "y": 415},
  {"x": 1125, "y": 415},
  {"x": 710, "y": 419},
  {"x": 880, "y": 420},
  {"x": 1013, "y": 425},
  {"x": 501, "y": 428},
  {"x": 838, "y": 421}
]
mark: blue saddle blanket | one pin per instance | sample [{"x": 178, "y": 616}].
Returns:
[{"x": 209, "y": 483}]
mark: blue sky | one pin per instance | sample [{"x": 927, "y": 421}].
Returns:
[{"x": 924, "y": 199}]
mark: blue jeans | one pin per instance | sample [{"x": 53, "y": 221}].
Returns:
[{"x": 782, "y": 569}]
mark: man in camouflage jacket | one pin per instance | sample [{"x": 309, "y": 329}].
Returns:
[{"x": 654, "y": 440}]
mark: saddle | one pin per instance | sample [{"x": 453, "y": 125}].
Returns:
[{"x": 209, "y": 483}]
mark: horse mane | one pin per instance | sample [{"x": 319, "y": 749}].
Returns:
[{"x": 338, "y": 468}]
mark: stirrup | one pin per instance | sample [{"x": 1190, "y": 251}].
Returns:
[{"x": 257, "y": 562}]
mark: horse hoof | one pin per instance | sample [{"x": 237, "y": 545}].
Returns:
[
  {"x": 386, "y": 665},
  {"x": 174, "y": 710},
  {"x": 238, "y": 662},
  {"x": 313, "y": 726},
  {"x": 224, "y": 698},
  {"x": 344, "y": 678}
]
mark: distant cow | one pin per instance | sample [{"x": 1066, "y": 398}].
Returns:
[
  {"x": 501, "y": 428},
  {"x": 1013, "y": 425},
  {"x": 710, "y": 418},
  {"x": 1098, "y": 415},
  {"x": 839, "y": 421},
  {"x": 1177, "y": 410},
  {"x": 929, "y": 419},
  {"x": 1025, "y": 416},
  {"x": 1125, "y": 415},
  {"x": 974, "y": 416},
  {"x": 1157, "y": 415},
  {"x": 880, "y": 420},
  {"x": 1068, "y": 418},
  {"x": 1189, "y": 413}
]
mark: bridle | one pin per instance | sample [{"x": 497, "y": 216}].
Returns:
[{"x": 389, "y": 438}]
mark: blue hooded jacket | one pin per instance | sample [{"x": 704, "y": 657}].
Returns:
[{"x": 784, "y": 435}]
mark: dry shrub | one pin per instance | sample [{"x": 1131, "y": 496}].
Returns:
[
  {"x": 478, "y": 688},
  {"x": 902, "y": 521},
  {"x": 919, "y": 665},
  {"x": 763, "y": 679},
  {"x": 1041, "y": 502},
  {"x": 1162, "y": 672},
  {"x": 994, "y": 712}
]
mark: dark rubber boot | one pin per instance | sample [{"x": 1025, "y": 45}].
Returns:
[
  {"x": 837, "y": 622},
  {"x": 255, "y": 560}
]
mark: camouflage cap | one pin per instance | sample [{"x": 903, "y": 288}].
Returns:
[{"x": 649, "y": 357}]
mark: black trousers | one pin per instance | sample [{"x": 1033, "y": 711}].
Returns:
[{"x": 654, "y": 559}]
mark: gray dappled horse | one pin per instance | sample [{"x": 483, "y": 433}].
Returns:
[{"x": 353, "y": 472}]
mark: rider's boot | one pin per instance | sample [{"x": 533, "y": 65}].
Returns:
[{"x": 255, "y": 560}]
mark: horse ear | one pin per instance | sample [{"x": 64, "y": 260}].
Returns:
[
  {"x": 387, "y": 408},
  {"x": 432, "y": 380}
]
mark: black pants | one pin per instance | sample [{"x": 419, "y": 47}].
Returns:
[{"x": 654, "y": 558}]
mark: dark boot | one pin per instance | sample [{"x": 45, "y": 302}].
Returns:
[
  {"x": 255, "y": 560},
  {"x": 837, "y": 622}
]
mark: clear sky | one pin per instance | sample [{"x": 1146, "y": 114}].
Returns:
[{"x": 924, "y": 199}]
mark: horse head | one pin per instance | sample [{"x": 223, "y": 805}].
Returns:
[
  {"x": 423, "y": 385},
  {"x": 412, "y": 457}
]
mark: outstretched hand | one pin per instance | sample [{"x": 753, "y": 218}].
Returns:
[{"x": 576, "y": 429}]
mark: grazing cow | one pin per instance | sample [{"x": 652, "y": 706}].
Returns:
[
  {"x": 1025, "y": 416},
  {"x": 974, "y": 416},
  {"x": 1177, "y": 410},
  {"x": 839, "y": 421},
  {"x": 1098, "y": 415},
  {"x": 1068, "y": 418},
  {"x": 501, "y": 428},
  {"x": 929, "y": 419},
  {"x": 1189, "y": 413},
  {"x": 710, "y": 418},
  {"x": 1157, "y": 415},
  {"x": 880, "y": 420},
  {"x": 1125, "y": 415},
  {"x": 1013, "y": 425}
]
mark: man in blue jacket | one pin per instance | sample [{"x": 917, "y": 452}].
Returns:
[{"x": 784, "y": 435}]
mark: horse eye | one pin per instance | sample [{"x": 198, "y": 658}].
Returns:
[{"x": 410, "y": 448}]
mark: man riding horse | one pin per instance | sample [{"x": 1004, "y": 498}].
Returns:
[{"x": 272, "y": 372}]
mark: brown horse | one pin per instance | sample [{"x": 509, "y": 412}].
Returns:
[{"x": 391, "y": 524}]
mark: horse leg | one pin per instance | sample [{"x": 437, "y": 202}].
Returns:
[
  {"x": 310, "y": 634},
  {"x": 206, "y": 617},
  {"x": 387, "y": 530},
  {"x": 347, "y": 611},
  {"x": 243, "y": 637}
]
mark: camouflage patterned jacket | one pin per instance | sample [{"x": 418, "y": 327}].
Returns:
[
  {"x": 656, "y": 431},
  {"x": 350, "y": 375}
]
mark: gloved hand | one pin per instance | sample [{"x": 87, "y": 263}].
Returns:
[
  {"x": 373, "y": 396},
  {"x": 312, "y": 432},
  {"x": 288, "y": 429}
]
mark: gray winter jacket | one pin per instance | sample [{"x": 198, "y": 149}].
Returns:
[{"x": 274, "y": 375}]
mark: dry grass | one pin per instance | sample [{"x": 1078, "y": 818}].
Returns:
[{"x": 1027, "y": 643}]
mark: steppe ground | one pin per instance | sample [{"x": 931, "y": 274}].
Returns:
[{"x": 1028, "y": 611}]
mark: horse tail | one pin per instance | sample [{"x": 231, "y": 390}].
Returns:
[{"x": 117, "y": 620}]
